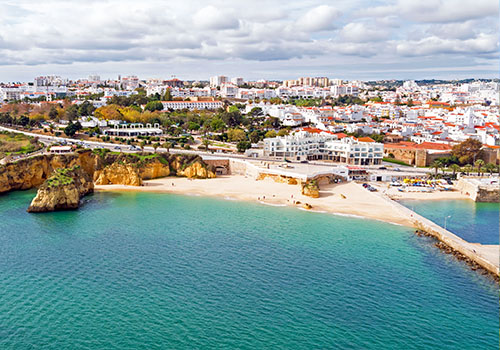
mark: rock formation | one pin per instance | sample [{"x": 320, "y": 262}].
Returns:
[
  {"x": 64, "y": 179},
  {"x": 311, "y": 189},
  {"x": 32, "y": 172},
  {"x": 63, "y": 190}
]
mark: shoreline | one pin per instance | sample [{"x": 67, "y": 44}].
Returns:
[
  {"x": 358, "y": 203},
  {"x": 346, "y": 199}
]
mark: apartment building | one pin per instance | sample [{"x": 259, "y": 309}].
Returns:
[
  {"x": 316, "y": 144},
  {"x": 191, "y": 105}
]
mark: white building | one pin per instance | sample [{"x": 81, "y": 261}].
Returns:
[
  {"x": 237, "y": 81},
  {"x": 312, "y": 144},
  {"x": 218, "y": 80},
  {"x": 191, "y": 105}
]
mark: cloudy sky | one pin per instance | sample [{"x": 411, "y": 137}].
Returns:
[{"x": 347, "y": 39}]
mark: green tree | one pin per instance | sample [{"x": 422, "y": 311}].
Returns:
[
  {"x": 206, "y": 143},
  {"x": 479, "y": 163},
  {"x": 154, "y": 106},
  {"x": 142, "y": 145},
  {"x": 437, "y": 164},
  {"x": 490, "y": 167},
  {"x": 71, "y": 112},
  {"x": 467, "y": 151},
  {"x": 72, "y": 129},
  {"x": 217, "y": 124},
  {"x": 270, "y": 134},
  {"x": 168, "y": 95},
  {"x": 53, "y": 113},
  {"x": 193, "y": 126},
  {"x": 155, "y": 146},
  {"x": 167, "y": 145},
  {"x": 242, "y": 146},
  {"x": 467, "y": 169},
  {"x": 254, "y": 136},
  {"x": 235, "y": 135},
  {"x": 455, "y": 168},
  {"x": 282, "y": 132}
]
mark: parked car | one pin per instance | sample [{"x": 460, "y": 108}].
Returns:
[
  {"x": 397, "y": 169},
  {"x": 382, "y": 168},
  {"x": 304, "y": 161}
]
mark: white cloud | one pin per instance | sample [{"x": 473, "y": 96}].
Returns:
[
  {"x": 128, "y": 35},
  {"x": 482, "y": 44},
  {"x": 212, "y": 18},
  {"x": 319, "y": 18},
  {"x": 360, "y": 32},
  {"x": 447, "y": 10}
]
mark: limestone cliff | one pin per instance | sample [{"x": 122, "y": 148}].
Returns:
[
  {"x": 131, "y": 169},
  {"x": 32, "y": 172},
  {"x": 311, "y": 189},
  {"x": 63, "y": 190},
  {"x": 103, "y": 167}
]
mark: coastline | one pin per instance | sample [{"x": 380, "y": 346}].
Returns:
[
  {"x": 358, "y": 202},
  {"x": 344, "y": 199}
]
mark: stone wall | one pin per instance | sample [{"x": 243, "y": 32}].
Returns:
[{"x": 477, "y": 192}]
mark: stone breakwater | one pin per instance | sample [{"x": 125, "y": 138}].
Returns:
[{"x": 485, "y": 256}]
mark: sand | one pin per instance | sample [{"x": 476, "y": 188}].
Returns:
[
  {"x": 349, "y": 199},
  {"x": 393, "y": 193},
  {"x": 357, "y": 202}
]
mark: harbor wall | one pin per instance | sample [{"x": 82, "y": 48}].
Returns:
[{"x": 454, "y": 242}]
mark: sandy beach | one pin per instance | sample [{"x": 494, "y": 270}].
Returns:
[
  {"x": 345, "y": 198},
  {"x": 395, "y": 194}
]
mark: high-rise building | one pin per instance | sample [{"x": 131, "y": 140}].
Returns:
[{"x": 218, "y": 80}]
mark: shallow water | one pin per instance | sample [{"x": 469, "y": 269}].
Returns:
[
  {"x": 474, "y": 222},
  {"x": 158, "y": 271}
]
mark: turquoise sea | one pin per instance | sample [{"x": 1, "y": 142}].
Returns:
[
  {"x": 474, "y": 222},
  {"x": 158, "y": 271}
]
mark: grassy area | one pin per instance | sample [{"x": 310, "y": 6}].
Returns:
[
  {"x": 12, "y": 143},
  {"x": 395, "y": 161},
  {"x": 62, "y": 177}
]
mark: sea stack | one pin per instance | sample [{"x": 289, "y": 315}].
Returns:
[{"x": 62, "y": 191}]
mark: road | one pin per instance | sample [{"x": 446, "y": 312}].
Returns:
[{"x": 48, "y": 140}]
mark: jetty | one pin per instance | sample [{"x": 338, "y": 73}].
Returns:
[{"x": 486, "y": 256}]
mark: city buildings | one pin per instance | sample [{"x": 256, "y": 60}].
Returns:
[{"x": 315, "y": 144}]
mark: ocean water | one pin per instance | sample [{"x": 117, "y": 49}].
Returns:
[
  {"x": 474, "y": 222},
  {"x": 157, "y": 271}
]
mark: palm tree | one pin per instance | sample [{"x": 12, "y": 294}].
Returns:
[
  {"x": 455, "y": 168},
  {"x": 142, "y": 145},
  {"x": 479, "y": 163},
  {"x": 468, "y": 168},
  {"x": 206, "y": 143},
  {"x": 167, "y": 145},
  {"x": 490, "y": 167},
  {"x": 437, "y": 164}
]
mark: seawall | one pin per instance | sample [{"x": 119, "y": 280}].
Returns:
[{"x": 478, "y": 253}]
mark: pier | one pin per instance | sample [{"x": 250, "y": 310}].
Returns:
[{"x": 486, "y": 256}]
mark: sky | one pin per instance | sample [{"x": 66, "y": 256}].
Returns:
[{"x": 193, "y": 40}]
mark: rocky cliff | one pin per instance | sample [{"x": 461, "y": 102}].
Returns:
[
  {"x": 311, "y": 189},
  {"x": 132, "y": 169},
  {"x": 32, "y": 172},
  {"x": 62, "y": 190}
]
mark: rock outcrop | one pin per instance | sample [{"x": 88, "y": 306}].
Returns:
[
  {"x": 132, "y": 169},
  {"x": 63, "y": 190},
  {"x": 118, "y": 174},
  {"x": 311, "y": 189},
  {"x": 32, "y": 172}
]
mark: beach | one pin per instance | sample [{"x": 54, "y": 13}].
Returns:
[{"x": 344, "y": 198}]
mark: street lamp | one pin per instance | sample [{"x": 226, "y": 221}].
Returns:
[{"x": 445, "y": 218}]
